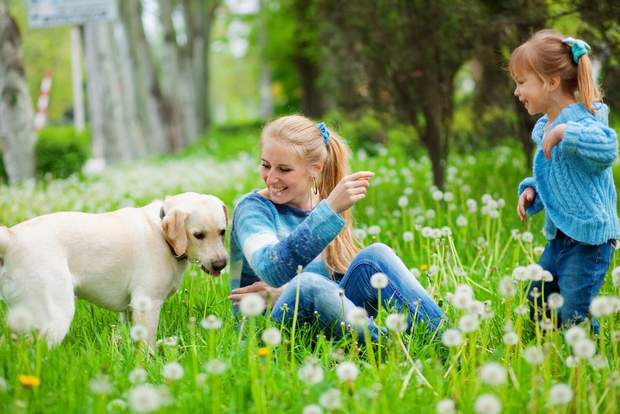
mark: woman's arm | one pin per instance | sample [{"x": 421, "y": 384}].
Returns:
[{"x": 275, "y": 261}]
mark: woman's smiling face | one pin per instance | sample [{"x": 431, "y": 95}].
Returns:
[{"x": 286, "y": 175}]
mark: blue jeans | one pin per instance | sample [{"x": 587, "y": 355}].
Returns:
[
  {"x": 578, "y": 271},
  {"x": 320, "y": 300}
]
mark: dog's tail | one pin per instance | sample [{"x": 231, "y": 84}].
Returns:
[{"x": 5, "y": 236}]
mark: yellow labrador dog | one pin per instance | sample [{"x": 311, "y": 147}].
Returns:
[{"x": 114, "y": 260}]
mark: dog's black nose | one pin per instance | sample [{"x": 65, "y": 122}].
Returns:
[{"x": 218, "y": 264}]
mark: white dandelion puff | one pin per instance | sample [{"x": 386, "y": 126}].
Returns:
[
  {"x": 211, "y": 322},
  {"x": 493, "y": 374},
  {"x": 347, "y": 371},
  {"x": 272, "y": 336},
  {"x": 446, "y": 406},
  {"x": 331, "y": 399},
  {"x": 252, "y": 304},
  {"x": 311, "y": 373},
  {"x": 215, "y": 366},
  {"x": 487, "y": 404},
  {"x": 172, "y": 371},
  {"x": 534, "y": 355},
  {"x": 451, "y": 337},
  {"x": 396, "y": 322},
  {"x": 560, "y": 394},
  {"x": 144, "y": 398},
  {"x": 379, "y": 280},
  {"x": 357, "y": 317}
]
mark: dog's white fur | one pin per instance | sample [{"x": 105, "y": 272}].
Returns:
[{"x": 110, "y": 259}]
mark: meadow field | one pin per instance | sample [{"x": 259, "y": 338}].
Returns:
[{"x": 464, "y": 244}]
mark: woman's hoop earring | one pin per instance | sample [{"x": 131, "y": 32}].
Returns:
[{"x": 315, "y": 185}]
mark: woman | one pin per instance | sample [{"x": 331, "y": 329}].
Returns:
[{"x": 302, "y": 218}]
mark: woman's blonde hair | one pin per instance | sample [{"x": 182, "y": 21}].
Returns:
[
  {"x": 305, "y": 138},
  {"x": 546, "y": 55}
]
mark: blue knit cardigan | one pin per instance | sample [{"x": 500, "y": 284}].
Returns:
[{"x": 576, "y": 187}]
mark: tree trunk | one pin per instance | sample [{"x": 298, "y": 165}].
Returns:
[
  {"x": 308, "y": 70},
  {"x": 17, "y": 136},
  {"x": 144, "y": 80},
  {"x": 110, "y": 136}
]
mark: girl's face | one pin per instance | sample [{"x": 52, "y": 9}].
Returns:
[
  {"x": 286, "y": 175},
  {"x": 532, "y": 93}
]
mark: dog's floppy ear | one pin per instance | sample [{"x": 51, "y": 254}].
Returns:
[
  {"x": 173, "y": 227},
  {"x": 225, "y": 213}
]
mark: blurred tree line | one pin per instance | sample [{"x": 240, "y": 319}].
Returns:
[
  {"x": 434, "y": 69},
  {"x": 401, "y": 60}
]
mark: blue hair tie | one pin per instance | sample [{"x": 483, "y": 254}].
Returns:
[
  {"x": 324, "y": 132},
  {"x": 578, "y": 48}
]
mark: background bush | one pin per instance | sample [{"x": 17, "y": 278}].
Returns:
[{"x": 60, "y": 151}]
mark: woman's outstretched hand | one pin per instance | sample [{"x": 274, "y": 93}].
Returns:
[
  {"x": 349, "y": 191},
  {"x": 269, "y": 293}
]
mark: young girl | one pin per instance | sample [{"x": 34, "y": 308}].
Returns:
[
  {"x": 302, "y": 218},
  {"x": 572, "y": 179}
]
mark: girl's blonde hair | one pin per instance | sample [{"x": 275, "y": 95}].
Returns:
[
  {"x": 305, "y": 138},
  {"x": 546, "y": 56}
]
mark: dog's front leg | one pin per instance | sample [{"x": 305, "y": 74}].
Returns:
[{"x": 149, "y": 318}]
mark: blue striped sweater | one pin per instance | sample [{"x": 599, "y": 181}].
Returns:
[
  {"x": 269, "y": 241},
  {"x": 576, "y": 187}
]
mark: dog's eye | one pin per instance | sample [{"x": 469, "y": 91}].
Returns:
[
  {"x": 222, "y": 233},
  {"x": 199, "y": 236}
]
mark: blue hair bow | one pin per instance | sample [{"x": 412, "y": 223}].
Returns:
[
  {"x": 324, "y": 131},
  {"x": 578, "y": 48}
]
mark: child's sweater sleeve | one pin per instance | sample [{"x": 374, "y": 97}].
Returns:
[
  {"x": 593, "y": 142},
  {"x": 275, "y": 261},
  {"x": 537, "y": 205}
]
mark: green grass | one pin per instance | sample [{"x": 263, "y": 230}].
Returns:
[{"x": 479, "y": 254}]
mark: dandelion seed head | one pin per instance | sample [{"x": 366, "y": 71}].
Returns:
[
  {"x": 507, "y": 287},
  {"x": 584, "y": 348},
  {"x": 534, "y": 272},
  {"x": 396, "y": 322},
  {"x": 560, "y": 394},
  {"x": 144, "y": 398},
  {"x": 408, "y": 236},
  {"x": 446, "y": 406},
  {"x": 379, "y": 280},
  {"x": 215, "y": 366},
  {"x": 331, "y": 399},
  {"x": 211, "y": 322},
  {"x": 451, "y": 337},
  {"x": 487, "y": 404},
  {"x": 137, "y": 376},
  {"x": 468, "y": 323},
  {"x": 493, "y": 374},
  {"x": 601, "y": 306},
  {"x": 347, "y": 371},
  {"x": 311, "y": 373},
  {"x": 574, "y": 334},
  {"x": 172, "y": 371},
  {"x": 252, "y": 304},
  {"x": 312, "y": 409},
  {"x": 510, "y": 338},
  {"x": 100, "y": 385},
  {"x": 555, "y": 301},
  {"x": 272, "y": 336},
  {"x": 357, "y": 317},
  {"x": 527, "y": 237},
  {"x": 461, "y": 221},
  {"x": 534, "y": 355}
]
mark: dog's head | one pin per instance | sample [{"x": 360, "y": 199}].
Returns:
[{"x": 195, "y": 225}]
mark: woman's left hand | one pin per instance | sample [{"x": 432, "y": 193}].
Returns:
[
  {"x": 553, "y": 138},
  {"x": 270, "y": 294}
]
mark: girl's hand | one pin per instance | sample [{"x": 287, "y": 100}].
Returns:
[
  {"x": 552, "y": 138},
  {"x": 349, "y": 191},
  {"x": 525, "y": 199},
  {"x": 269, "y": 293}
]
